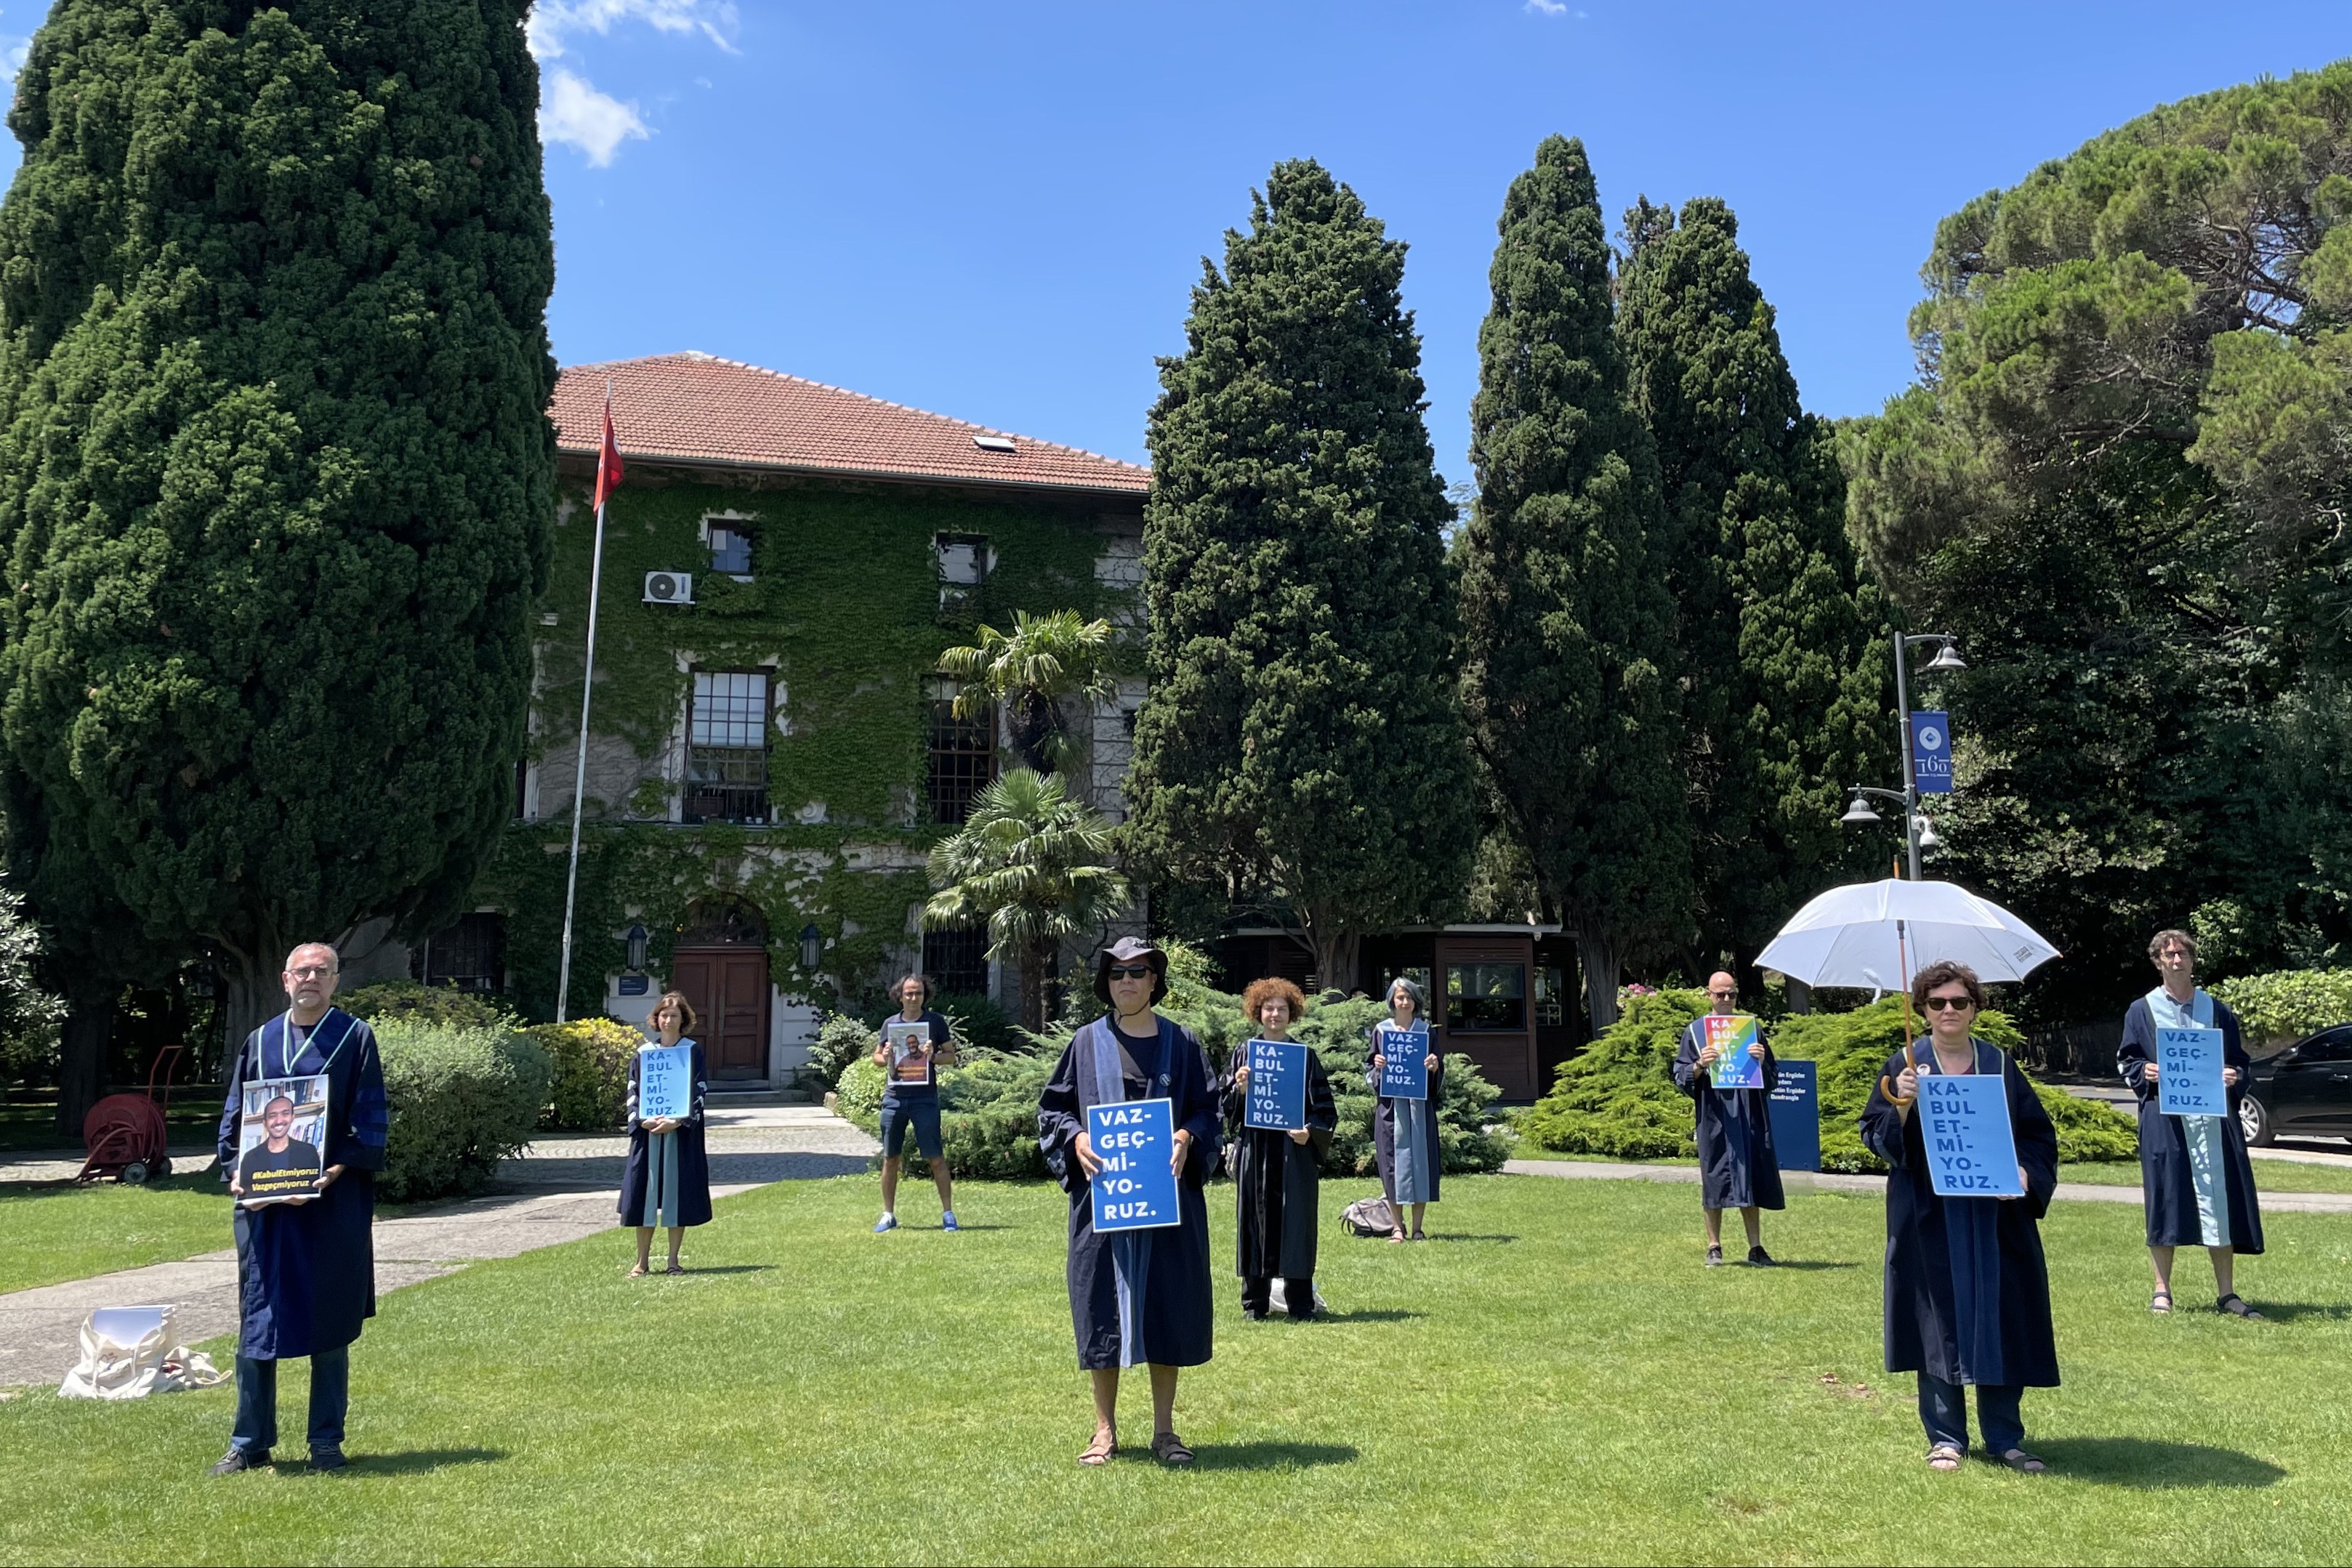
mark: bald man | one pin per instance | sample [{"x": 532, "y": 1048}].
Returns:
[
  {"x": 306, "y": 1265},
  {"x": 1737, "y": 1167}
]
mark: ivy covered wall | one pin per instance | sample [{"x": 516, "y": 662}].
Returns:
[{"x": 843, "y": 607}]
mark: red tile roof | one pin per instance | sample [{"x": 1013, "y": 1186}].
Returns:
[{"x": 691, "y": 407}]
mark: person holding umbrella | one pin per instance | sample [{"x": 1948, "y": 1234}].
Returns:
[{"x": 2196, "y": 1182}]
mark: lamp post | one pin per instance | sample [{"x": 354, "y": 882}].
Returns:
[{"x": 1919, "y": 833}]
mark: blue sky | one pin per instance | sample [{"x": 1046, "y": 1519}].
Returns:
[{"x": 998, "y": 212}]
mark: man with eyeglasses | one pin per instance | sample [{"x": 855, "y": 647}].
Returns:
[
  {"x": 1737, "y": 1167},
  {"x": 306, "y": 1265}
]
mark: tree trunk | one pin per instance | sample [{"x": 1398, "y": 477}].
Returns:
[
  {"x": 1337, "y": 955},
  {"x": 1599, "y": 961},
  {"x": 1801, "y": 996},
  {"x": 251, "y": 995},
  {"x": 1033, "y": 988},
  {"x": 1030, "y": 722},
  {"x": 82, "y": 1047}
]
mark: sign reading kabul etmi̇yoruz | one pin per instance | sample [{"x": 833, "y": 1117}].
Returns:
[
  {"x": 1731, "y": 1034},
  {"x": 664, "y": 1082},
  {"x": 1964, "y": 1125},
  {"x": 2189, "y": 1082},
  {"x": 1276, "y": 1096},
  {"x": 1931, "y": 752},
  {"x": 1136, "y": 1188},
  {"x": 1404, "y": 1062}
]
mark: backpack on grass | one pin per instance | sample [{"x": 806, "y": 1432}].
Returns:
[{"x": 1369, "y": 1217}]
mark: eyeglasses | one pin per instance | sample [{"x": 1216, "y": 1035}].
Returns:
[
  {"x": 1723, "y": 994},
  {"x": 311, "y": 972},
  {"x": 1130, "y": 971},
  {"x": 1947, "y": 1004}
]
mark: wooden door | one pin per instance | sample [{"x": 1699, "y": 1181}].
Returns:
[
  {"x": 729, "y": 989},
  {"x": 1492, "y": 1027}
]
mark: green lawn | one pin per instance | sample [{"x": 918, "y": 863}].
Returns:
[
  {"x": 1553, "y": 1378},
  {"x": 2270, "y": 1176},
  {"x": 49, "y": 1233}
]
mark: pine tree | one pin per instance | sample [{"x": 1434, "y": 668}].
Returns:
[
  {"x": 1300, "y": 744},
  {"x": 1567, "y": 676},
  {"x": 1785, "y": 683},
  {"x": 276, "y": 473}
]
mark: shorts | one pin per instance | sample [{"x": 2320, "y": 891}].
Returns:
[{"x": 922, "y": 1114}]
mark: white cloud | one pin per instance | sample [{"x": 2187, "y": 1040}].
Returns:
[
  {"x": 1546, "y": 8},
  {"x": 552, "y": 22},
  {"x": 576, "y": 114}
]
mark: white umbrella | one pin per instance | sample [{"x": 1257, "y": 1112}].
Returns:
[{"x": 1880, "y": 934}]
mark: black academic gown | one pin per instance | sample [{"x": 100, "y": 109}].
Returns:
[
  {"x": 306, "y": 1272},
  {"x": 1164, "y": 1279},
  {"x": 1278, "y": 1182},
  {"x": 1385, "y": 1111},
  {"x": 1737, "y": 1167},
  {"x": 2167, "y": 1187},
  {"x": 693, "y": 1162},
  {"x": 1967, "y": 1294}
]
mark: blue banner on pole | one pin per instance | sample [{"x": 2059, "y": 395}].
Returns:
[
  {"x": 1971, "y": 1151},
  {"x": 1931, "y": 752},
  {"x": 1796, "y": 1106},
  {"x": 1404, "y": 1062},
  {"x": 1136, "y": 1188},
  {"x": 664, "y": 1082},
  {"x": 2190, "y": 1083},
  {"x": 1276, "y": 1096}
]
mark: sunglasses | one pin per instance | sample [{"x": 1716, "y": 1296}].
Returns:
[
  {"x": 1130, "y": 971},
  {"x": 1947, "y": 1004}
]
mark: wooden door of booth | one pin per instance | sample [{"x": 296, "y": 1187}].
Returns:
[{"x": 1482, "y": 1002}]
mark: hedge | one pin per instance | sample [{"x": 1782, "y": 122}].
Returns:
[
  {"x": 462, "y": 1100},
  {"x": 589, "y": 1063},
  {"x": 419, "y": 1003},
  {"x": 2287, "y": 1004},
  {"x": 1618, "y": 1098}
]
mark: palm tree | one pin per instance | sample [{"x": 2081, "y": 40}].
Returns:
[
  {"x": 1047, "y": 658},
  {"x": 1036, "y": 865}
]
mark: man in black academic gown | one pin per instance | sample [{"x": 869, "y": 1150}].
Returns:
[
  {"x": 1737, "y": 1167},
  {"x": 1277, "y": 1172},
  {"x": 306, "y": 1265}
]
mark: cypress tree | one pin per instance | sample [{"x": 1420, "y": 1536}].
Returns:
[
  {"x": 1784, "y": 702},
  {"x": 1568, "y": 674},
  {"x": 276, "y": 473},
  {"x": 1299, "y": 744}
]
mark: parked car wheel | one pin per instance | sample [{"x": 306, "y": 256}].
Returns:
[{"x": 2254, "y": 1121}]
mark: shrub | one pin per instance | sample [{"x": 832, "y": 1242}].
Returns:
[
  {"x": 841, "y": 1040},
  {"x": 462, "y": 1100},
  {"x": 858, "y": 1093},
  {"x": 589, "y": 1060},
  {"x": 976, "y": 1021},
  {"x": 2287, "y": 1004},
  {"x": 417, "y": 1003}
]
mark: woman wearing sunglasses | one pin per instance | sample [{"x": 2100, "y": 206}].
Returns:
[
  {"x": 1137, "y": 1297},
  {"x": 1968, "y": 1295}
]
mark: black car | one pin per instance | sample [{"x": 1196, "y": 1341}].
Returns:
[{"x": 2303, "y": 1091}]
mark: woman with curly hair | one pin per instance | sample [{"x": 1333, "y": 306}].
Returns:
[{"x": 1277, "y": 1172}]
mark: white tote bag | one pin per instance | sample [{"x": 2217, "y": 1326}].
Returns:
[{"x": 124, "y": 1358}]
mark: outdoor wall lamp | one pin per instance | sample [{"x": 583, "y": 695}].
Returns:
[
  {"x": 811, "y": 946},
  {"x": 636, "y": 938},
  {"x": 1928, "y": 837}
]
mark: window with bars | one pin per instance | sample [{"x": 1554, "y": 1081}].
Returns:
[
  {"x": 962, "y": 756},
  {"x": 471, "y": 956},
  {"x": 956, "y": 960},
  {"x": 727, "y": 748}
]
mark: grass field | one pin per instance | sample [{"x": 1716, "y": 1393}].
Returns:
[
  {"x": 1552, "y": 1378},
  {"x": 2270, "y": 1176},
  {"x": 52, "y": 1233}
]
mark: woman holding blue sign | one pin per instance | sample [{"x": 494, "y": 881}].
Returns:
[
  {"x": 1139, "y": 1292},
  {"x": 1737, "y": 1167},
  {"x": 1404, "y": 1129},
  {"x": 2195, "y": 1178},
  {"x": 667, "y": 1180},
  {"x": 1277, "y": 1171},
  {"x": 1967, "y": 1294}
]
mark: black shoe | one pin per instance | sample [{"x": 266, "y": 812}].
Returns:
[
  {"x": 1254, "y": 1314},
  {"x": 237, "y": 1461},
  {"x": 328, "y": 1459},
  {"x": 1715, "y": 1257},
  {"x": 1760, "y": 1258}
]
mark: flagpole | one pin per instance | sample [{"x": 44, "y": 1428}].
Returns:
[{"x": 587, "y": 691}]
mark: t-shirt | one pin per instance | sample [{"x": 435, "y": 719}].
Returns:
[
  {"x": 928, "y": 1088},
  {"x": 297, "y": 1156}
]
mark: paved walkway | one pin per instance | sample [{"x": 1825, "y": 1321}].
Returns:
[
  {"x": 1826, "y": 1181},
  {"x": 560, "y": 1189}
]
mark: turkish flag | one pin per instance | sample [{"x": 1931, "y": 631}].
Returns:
[{"x": 608, "y": 460}]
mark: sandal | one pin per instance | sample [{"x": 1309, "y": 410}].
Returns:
[
  {"x": 638, "y": 1272},
  {"x": 2240, "y": 1308},
  {"x": 2160, "y": 1304},
  {"x": 1396, "y": 1237},
  {"x": 674, "y": 1268},
  {"x": 1417, "y": 1236},
  {"x": 1943, "y": 1457},
  {"x": 1169, "y": 1449},
  {"x": 1099, "y": 1451},
  {"x": 2023, "y": 1463}
]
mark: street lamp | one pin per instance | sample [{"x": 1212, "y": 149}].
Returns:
[
  {"x": 811, "y": 946},
  {"x": 1947, "y": 660},
  {"x": 1922, "y": 835}
]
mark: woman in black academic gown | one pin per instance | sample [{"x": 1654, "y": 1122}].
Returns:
[
  {"x": 1967, "y": 1294},
  {"x": 1277, "y": 1172},
  {"x": 1136, "y": 1296},
  {"x": 2196, "y": 1182},
  {"x": 668, "y": 1178},
  {"x": 1405, "y": 1144}
]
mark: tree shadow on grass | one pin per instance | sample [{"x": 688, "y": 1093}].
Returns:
[
  {"x": 1272, "y": 1456},
  {"x": 2290, "y": 1312},
  {"x": 1810, "y": 1265},
  {"x": 2148, "y": 1464},
  {"x": 1366, "y": 1315},
  {"x": 1452, "y": 1235},
  {"x": 417, "y": 1461},
  {"x": 694, "y": 1269}
]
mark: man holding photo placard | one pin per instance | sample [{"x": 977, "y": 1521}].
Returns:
[
  {"x": 1725, "y": 1065},
  {"x": 1968, "y": 1292},
  {"x": 915, "y": 1044},
  {"x": 2196, "y": 1181}
]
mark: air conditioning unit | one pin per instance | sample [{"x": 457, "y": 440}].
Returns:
[{"x": 669, "y": 588}]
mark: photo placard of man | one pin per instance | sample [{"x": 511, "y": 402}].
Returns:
[
  {"x": 281, "y": 1164},
  {"x": 305, "y": 1265}
]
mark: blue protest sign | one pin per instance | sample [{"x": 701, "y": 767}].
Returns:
[
  {"x": 1276, "y": 1095},
  {"x": 2189, "y": 1082},
  {"x": 1136, "y": 1188},
  {"x": 1735, "y": 1067},
  {"x": 1931, "y": 752},
  {"x": 1796, "y": 1109},
  {"x": 1404, "y": 1062},
  {"x": 666, "y": 1081},
  {"x": 1964, "y": 1123}
]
